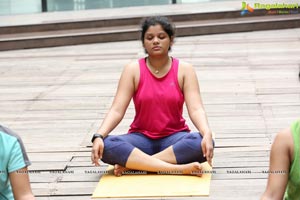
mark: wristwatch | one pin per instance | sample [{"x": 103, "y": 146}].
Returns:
[{"x": 97, "y": 135}]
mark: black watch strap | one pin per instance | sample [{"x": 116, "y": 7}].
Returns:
[{"x": 97, "y": 135}]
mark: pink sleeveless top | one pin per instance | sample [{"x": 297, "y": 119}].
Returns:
[{"x": 158, "y": 103}]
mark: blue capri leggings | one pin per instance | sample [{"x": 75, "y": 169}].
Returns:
[{"x": 186, "y": 146}]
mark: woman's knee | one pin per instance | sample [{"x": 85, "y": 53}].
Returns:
[
  {"x": 195, "y": 139},
  {"x": 189, "y": 149},
  {"x": 116, "y": 150},
  {"x": 112, "y": 141}
]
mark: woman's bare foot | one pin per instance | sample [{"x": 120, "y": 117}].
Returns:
[
  {"x": 118, "y": 170},
  {"x": 194, "y": 168}
]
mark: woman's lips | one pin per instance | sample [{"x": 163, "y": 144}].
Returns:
[{"x": 156, "y": 48}]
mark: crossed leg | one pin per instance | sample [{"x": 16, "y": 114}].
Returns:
[
  {"x": 166, "y": 156},
  {"x": 139, "y": 155}
]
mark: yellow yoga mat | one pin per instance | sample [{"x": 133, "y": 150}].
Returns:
[{"x": 153, "y": 185}]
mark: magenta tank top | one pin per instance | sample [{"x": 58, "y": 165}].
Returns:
[{"x": 158, "y": 103}]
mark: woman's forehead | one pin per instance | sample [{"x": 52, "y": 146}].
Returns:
[{"x": 157, "y": 28}]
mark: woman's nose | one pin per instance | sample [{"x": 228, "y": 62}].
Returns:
[{"x": 155, "y": 40}]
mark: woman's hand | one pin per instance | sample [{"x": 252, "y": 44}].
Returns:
[
  {"x": 207, "y": 147},
  {"x": 97, "y": 151}
]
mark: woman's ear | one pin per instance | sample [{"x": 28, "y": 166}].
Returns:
[
  {"x": 145, "y": 50},
  {"x": 144, "y": 47},
  {"x": 171, "y": 41}
]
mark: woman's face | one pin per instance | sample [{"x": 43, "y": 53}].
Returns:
[{"x": 157, "y": 41}]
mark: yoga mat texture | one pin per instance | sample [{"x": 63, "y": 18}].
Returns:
[{"x": 153, "y": 185}]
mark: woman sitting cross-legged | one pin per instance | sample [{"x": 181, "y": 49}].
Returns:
[{"x": 158, "y": 139}]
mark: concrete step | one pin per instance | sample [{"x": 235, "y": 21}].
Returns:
[
  {"x": 118, "y": 21},
  {"x": 126, "y": 28}
]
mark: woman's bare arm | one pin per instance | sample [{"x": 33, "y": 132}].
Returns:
[
  {"x": 280, "y": 159},
  {"x": 20, "y": 184},
  {"x": 196, "y": 110}
]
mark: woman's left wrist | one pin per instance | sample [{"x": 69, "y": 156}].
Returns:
[{"x": 207, "y": 133}]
